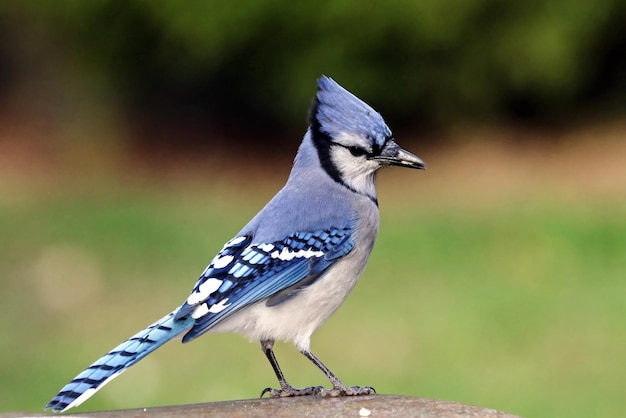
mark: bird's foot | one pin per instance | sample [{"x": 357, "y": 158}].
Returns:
[
  {"x": 289, "y": 391},
  {"x": 346, "y": 391}
]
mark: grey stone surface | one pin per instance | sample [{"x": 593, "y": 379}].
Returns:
[{"x": 306, "y": 406}]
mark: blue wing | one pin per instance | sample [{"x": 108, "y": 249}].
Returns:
[
  {"x": 244, "y": 273},
  {"x": 241, "y": 274}
]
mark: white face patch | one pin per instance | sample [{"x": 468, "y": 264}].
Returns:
[
  {"x": 222, "y": 261},
  {"x": 204, "y": 291},
  {"x": 200, "y": 311},
  {"x": 356, "y": 172},
  {"x": 219, "y": 307},
  {"x": 287, "y": 255}
]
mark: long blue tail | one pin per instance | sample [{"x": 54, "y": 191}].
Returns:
[{"x": 109, "y": 366}]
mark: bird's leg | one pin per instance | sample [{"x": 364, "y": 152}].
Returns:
[
  {"x": 286, "y": 390},
  {"x": 339, "y": 388}
]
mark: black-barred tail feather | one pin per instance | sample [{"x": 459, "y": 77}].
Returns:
[{"x": 112, "y": 364}]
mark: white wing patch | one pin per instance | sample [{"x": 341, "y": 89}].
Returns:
[
  {"x": 204, "y": 291},
  {"x": 223, "y": 261},
  {"x": 287, "y": 255},
  {"x": 243, "y": 272},
  {"x": 204, "y": 309},
  {"x": 200, "y": 310},
  {"x": 219, "y": 307},
  {"x": 235, "y": 241},
  {"x": 266, "y": 247}
]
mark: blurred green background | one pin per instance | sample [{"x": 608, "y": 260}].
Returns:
[{"x": 136, "y": 137}]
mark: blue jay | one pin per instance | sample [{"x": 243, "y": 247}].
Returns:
[{"x": 294, "y": 263}]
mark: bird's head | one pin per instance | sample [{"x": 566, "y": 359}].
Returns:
[{"x": 352, "y": 139}]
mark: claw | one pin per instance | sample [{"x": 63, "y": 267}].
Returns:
[
  {"x": 289, "y": 392},
  {"x": 267, "y": 390}
]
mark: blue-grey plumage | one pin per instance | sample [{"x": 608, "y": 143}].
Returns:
[{"x": 295, "y": 262}]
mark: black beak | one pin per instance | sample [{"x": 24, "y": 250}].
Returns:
[{"x": 392, "y": 154}]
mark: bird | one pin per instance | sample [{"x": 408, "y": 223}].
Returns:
[{"x": 294, "y": 263}]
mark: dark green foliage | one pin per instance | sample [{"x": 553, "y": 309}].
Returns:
[{"x": 420, "y": 62}]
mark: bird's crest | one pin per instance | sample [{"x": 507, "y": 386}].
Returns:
[{"x": 336, "y": 111}]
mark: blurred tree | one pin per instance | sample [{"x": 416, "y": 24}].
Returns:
[{"x": 422, "y": 63}]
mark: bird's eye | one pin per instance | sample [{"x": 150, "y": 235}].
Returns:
[{"x": 357, "y": 151}]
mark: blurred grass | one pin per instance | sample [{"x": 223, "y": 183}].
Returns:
[{"x": 517, "y": 306}]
